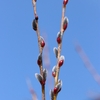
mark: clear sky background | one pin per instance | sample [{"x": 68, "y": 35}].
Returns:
[{"x": 19, "y": 48}]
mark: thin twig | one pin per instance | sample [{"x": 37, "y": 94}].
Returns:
[
  {"x": 47, "y": 63},
  {"x": 59, "y": 50},
  {"x": 59, "y": 47},
  {"x": 87, "y": 63},
  {"x": 43, "y": 92},
  {"x": 63, "y": 15},
  {"x": 40, "y": 48},
  {"x": 37, "y": 31},
  {"x": 33, "y": 93}
]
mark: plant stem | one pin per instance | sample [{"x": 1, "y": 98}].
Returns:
[
  {"x": 55, "y": 97},
  {"x": 40, "y": 48},
  {"x": 59, "y": 51},
  {"x": 43, "y": 92}
]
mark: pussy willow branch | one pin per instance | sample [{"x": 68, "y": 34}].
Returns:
[
  {"x": 37, "y": 31},
  {"x": 63, "y": 15},
  {"x": 34, "y": 7},
  {"x": 59, "y": 49},
  {"x": 40, "y": 48}
]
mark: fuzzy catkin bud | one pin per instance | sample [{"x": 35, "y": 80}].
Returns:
[
  {"x": 42, "y": 42},
  {"x": 59, "y": 37},
  {"x": 65, "y": 2},
  {"x": 61, "y": 61},
  {"x": 39, "y": 60},
  {"x": 34, "y": 25},
  {"x": 65, "y": 23},
  {"x": 55, "y": 50}
]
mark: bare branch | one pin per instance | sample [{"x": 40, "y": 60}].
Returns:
[
  {"x": 87, "y": 63},
  {"x": 33, "y": 93}
]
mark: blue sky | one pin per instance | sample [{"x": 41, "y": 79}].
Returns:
[{"x": 19, "y": 48}]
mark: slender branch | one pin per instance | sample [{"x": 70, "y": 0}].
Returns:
[
  {"x": 63, "y": 15},
  {"x": 40, "y": 48},
  {"x": 33, "y": 93},
  {"x": 55, "y": 97},
  {"x": 60, "y": 47},
  {"x": 34, "y": 7},
  {"x": 87, "y": 63},
  {"x": 43, "y": 92},
  {"x": 37, "y": 31}
]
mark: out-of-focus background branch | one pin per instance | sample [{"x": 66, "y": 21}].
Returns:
[{"x": 90, "y": 67}]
